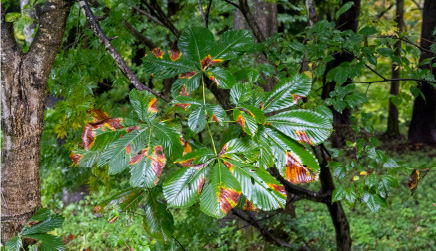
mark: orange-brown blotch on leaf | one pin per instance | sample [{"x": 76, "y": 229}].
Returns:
[
  {"x": 214, "y": 118},
  {"x": 175, "y": 54},
  {"x": 296, "y": 98},
  {"x": 208, "y": 62},
  {"x": 302, "y": 136},
  {"x": 76, "y": 158},
  {"x": 295, "y": 172},
  {"x": 241, "y": 121},
  {"x": 152, "y": 106},
  {"x": 188, "y": 75},
  {"x": 228, "y": 198},
  {"x": 201, "y": 184},
  {"x": 157, "y": 52},
  {"x": 280, "y": 189},
  {"x": 158, "y": 162}
]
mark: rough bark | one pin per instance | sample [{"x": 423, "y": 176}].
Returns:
[
  {"x": 347, "y": 21},
  {"x": 337, "y": 214},
  {"x": 23, "y": 87},
  {"x": 423, "y": 125},
  {"x": 393, "y": 128}
]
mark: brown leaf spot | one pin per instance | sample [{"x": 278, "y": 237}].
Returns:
[
  {"x": 261, "y": 106},
  {"x": 138, "y": 157},
  {"x": 228, "y": 198},
  {"x": 200, "y": 166},
  {"x": 241, "y": 121},
  {"x": 201, "y": 184},
  {"x": 132, "y": 128},
  {"x": 224, "y": 149},
  {"x": 158, "y": 52},
  {"x": 187, "y": 163},
  {"x": 302, "y": 136},
  {"x": 249, "y": 206},
  {"x": 186, "y": 146},
  {"x": 213, "y": 79},
  {"x": 295, "y": 172},
  {"x": 32, "y": 223},
  {"x": 188, "y": 75},
  {"x": 97, "y": 116},
  {"x": 76, "y": 158},
  {"x": 228, "y": 165},
  {"x": 158, "y": 162},
  {"x": 152, "y": 106},
  {"x": 208, "y": 62},
  {"x": 413, "y": 180},
  {"x": 175, "y": 55},
  {"x": 113, "y": 219},
  {"x": 296, "y": 98},
  {"x": 183, "y": 91},
  {"x": 214, "y": 118},
  {"x": 280, "y": 189},
  {"x": 129, "y": 149}
]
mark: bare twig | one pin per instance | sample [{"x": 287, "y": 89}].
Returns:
[
  {"x": 145, "y": 40},
  {"x": 207, "y": 13},
  {"x": 202, "y": 13},
  {"x": 113, "y": 52},
  {"x": 152, "y": 18},
  {"x": 157, "y": 12},
  {"x": 262, "y": 230},
  {"x": 231, "y": 3}
]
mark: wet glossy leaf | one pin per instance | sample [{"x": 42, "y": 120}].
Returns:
[
  {"x": 158, "y": 221},
  {"x": 222, "y": 78},
  {"x": 231, "y": 44},
  {"x": 287, "y": 92},
  {"x": 197, "y": 120},
  {"x": 194, "y": 43},
  {"x": 302, "y": 125},
  {"x": 220, "y": 193}
]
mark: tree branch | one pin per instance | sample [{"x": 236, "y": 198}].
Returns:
[
  {"x": 299, "y": 191},
  {"x": 202, "y": 13},
  {"x": 245, "y": 10},
  {"x": 157, "y": 11},
  {"x": 145, "y": 40},
  {"x": 262, "y": 230},
  {"x": 207, "y": 13},
  {"x": 153, "y": 19},
  {"x": 113, "y": 52}
]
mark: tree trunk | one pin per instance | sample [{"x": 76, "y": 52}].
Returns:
[
  {"x": 23, "y": 88},
  {"x": 392, "y": 128},
  {"x": 347, "y": 21},
  {"x": 423, "y": 125}
]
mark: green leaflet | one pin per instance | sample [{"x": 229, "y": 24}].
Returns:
[
  {"x": 197, "y": 119},
  {"x": 169, "y": 138},
  {"x": 140, "y": 101},
  {"x": 191, "y": 83},
  {"x": 166, "y": 68},
  {"x": 194, "y": 43},
  {"x": 220, "y": 193},
  {"x": 48, "y": 242},
  {"x": 117, "y": 155},
  {"x": 14, "y": 244},
  {"x": 258, "y": 186},
  {"x": 302, "y": 125},
  {"x": 279, "y": 144},
  {"x": 158, "y": 221},
  {"x": 287, "y": 92},
  {"x": 216, "y": 113},
  {"x": 128, "y": 199},
  {"x": 232, "y": 43},
  {"x": 222, "y": 78},
  {"x": 184, "y": 186}
]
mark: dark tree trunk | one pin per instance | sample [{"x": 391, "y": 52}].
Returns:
[
  {"x": 23, "y": 88},
  {"x": 423, "y": 125},
  {"x": 392, "y": 128},
  {"x": 262, "y": 19},
  {"x": 347, "y": 21},
  {"x": 337, "y": 214}
]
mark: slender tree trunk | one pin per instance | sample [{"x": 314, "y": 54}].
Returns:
[
  {"x": 23, "y": 94},
  {"x": 347, "y": 21},
  {"x": 393, "y": 129},
  {"x": 423, "y": 125}
]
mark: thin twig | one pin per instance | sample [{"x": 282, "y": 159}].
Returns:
[
  {"x": 207, "y": 13},
  {"x": 153, "y": 19},
  {"x": 202, "y": 13},
  {"x": 232, "y": 3},
  {"x": 145, "y": 40},
  {"x": 180, "y": 244},
  {"x": 114, "y": 53}
]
